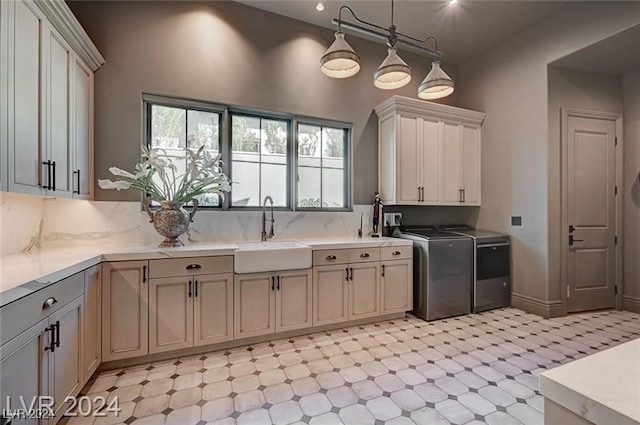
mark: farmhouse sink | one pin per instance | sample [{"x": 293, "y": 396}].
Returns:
[{"x": 255, "y": 257}]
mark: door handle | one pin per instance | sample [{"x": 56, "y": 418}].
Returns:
[
  {"x": 418, "y": 193},
  {"x": 364, "y": 255},
  {"x": 53, "y": 164},
  {"x": 351, "y": 270},
  {"x": 395, "y": 253},
  {"x": 572, "y": 240},
  {"x": 331, "y": 258},
  {"x": 273, "y": 283},
  {"x": 347, "y": 271},
  {"x": 57, "y": 333},
  {"x": 383, "y": 270},
  {"x": 77, "y": 175},
  {"x": 52, "y": 342},
  {"x": 278, "y": 286},
  {"x": 460, "y": 195},
  {"x": 144, "y": 274},
  {"x": 49, "y": 302},
  {"x": 422, "y": 189},
  {"x": 193, "y": 267},
  {"x": 196, "y": 287},
  {"x": 48, "y": 185},
  {"x": 189, "y": 289},
  {"x": 464, "y": 195}
]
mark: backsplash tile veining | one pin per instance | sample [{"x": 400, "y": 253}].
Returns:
[{"x": 29, "y": 223}]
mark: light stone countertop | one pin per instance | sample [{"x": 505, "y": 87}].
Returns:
[
  {"x": 25, "y": 273},
  {"x": 603, "y": 388}
]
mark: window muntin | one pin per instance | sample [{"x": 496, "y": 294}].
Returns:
[{"x": 322, "y": 168}]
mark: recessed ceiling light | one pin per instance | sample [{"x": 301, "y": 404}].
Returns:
[
  {"x": 453, "y": 2},
  {"x": 320, "y": 7}
]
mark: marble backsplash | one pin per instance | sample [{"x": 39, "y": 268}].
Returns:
[{"x": 29, "y": 223}]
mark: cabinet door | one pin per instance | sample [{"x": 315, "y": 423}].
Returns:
[
  {"x": 471, "y": 165},
  {"x": 65, "y": 368},
  {"x": 170, "y": 314},
  {"x": 430, "y": 154},
  {"x": 364, "y": 291},
  {"x": 82, "y": 130},
  {"x": 254, "y": 305},
  {"x": 213, "y": 309},
  {"x": 57, "y": 85},
  {"x": 293, "y": 300},
  {"x": 330, "y": 295},
  {"x": 25, "y": 109},
  {"x": 408, "y": 171},
  {"x": 125, "y": 310},
  {"x": 397, "y": 285},
  {"x": 451, "y": 165},
  {"x": 24, "y": 371},
  {"x": 92, "y": 329}
]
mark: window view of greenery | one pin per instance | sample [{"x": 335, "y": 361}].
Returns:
[
  {"x": 321, "y": 167},
  {"x": 259, "y": 160},
  {"x": 174, "y": 130}
]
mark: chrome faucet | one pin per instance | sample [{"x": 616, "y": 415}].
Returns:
[{"x": 264, "y": 219}]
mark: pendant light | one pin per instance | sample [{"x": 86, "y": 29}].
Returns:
[
  {"x": 437, "y": 84},
  {"x": 340, "y": 60},
  {"x": 392, "y": 73}
]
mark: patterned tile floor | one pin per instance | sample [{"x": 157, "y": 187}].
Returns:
[{"x": 473, "y": 369}]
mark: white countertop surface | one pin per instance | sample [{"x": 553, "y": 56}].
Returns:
[
  {"x": 25, "y": 273},
  {"x": 603, "y": 388}
]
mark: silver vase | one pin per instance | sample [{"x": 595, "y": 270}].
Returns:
[{"x": 171, "y": 220}]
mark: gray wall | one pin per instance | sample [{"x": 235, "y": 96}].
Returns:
[
  {"x": 509, "y": 83},
  {"x": 631, "y": 191},
  {"x": 229, "y": 53},
  {"x": 577, "y": 89}
]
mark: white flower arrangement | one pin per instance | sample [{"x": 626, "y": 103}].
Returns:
[{"x": 203, "y": 175}]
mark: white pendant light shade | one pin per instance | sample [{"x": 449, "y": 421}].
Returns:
[
  {"x": 340, "y": 60},
  {"x": 392, "y": 73},
  {"x": 436, "y": 85}
]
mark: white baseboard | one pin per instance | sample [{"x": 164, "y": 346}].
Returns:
[
  {"x": 630, "y": 303},
  {"x": 537, "y": 306}
]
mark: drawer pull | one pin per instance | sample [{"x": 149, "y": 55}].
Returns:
[
  {"x": 193, "y": 267},
  {"x": 395, "y": 253},
  {"x": 49, "y": 302},
  {"x": 364, "y": 255},
  {"x": 331, "y": 258}
]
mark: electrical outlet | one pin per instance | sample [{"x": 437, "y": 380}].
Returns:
[{"x": 393, "y": 219}]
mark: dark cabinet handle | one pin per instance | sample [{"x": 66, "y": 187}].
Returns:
[
  {"x": 193, "y": 267},
  {"x": 77, "y": 174},
  {"x": 144, "y": 274},
  {"x": 52, "y": 341},
  {"x": 57, "y": 333},
  {"x": 464, "y": 195},
  {"x": 196, "y": 285},
  {"x": 395, "y": 253},
  {"x": 278, "y": 287},
  {"x": 383, "y": 270},
  {"x": 364, "y": 255},
  {"x": 189, "y": 289},
  {"x": 347, "y": 271},
  {"x": 351, "y": 272},
  {"x": 49, "y": 302},
  {"x": 331, "y": 258},
  {"x": 48, "y": 185},
  {"x": 54, "y": 175},
  {"x": 273, "y": 283}
]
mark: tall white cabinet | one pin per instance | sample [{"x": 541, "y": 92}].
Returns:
[
  {"x": 46, "y": 100},
  {"x": 428, "y": 154}
]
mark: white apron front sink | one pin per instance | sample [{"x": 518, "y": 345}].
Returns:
[{"x": 256, "y": 257}]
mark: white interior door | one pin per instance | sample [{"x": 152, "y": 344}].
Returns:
[{"x": 591, "y": 180}]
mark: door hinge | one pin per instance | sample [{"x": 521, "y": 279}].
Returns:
[{"x": 568, "y": 292}]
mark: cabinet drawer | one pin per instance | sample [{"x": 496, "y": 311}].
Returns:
[
  {"x": 363, "y": 255},
  {"x": 23, "y": 313},
  {"x": 330, "y": 256},
  {"x": 396, "y": 252},
  {"x": 190, "y": 266}
]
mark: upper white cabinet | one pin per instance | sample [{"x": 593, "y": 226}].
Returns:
[
  {"x": 46, "y": 100},
  {"x": 428, "y": 154}
]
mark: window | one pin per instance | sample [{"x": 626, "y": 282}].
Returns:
[
  {"x": 302, "y": 163},
  {"x": 322, "y": 167}
]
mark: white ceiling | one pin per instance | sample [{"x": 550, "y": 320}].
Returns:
[
  {"x": 463, "y": 31},
  {"x": 614, "y": 55}
]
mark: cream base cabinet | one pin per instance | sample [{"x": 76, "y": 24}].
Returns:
[
  {"x": 428, "y": 153},
  {"x": 397, "y": 295},
  {"x": 254, "y": 305},
  {"x": 66, "y": 374},
  {"x": 170, "y": 314},
  {"x": 294, "y": 300},
  {"x": 92, "y": 324},
  {"x": 125, "y": 310},
  {"x": 213, "y": 309},
  {"x": 330, "y": 295},
  {"x": 364, "y": 290},
  {"x": 24, "y": 370}
]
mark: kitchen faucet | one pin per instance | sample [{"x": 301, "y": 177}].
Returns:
[{"x": 264, "y": 219}]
